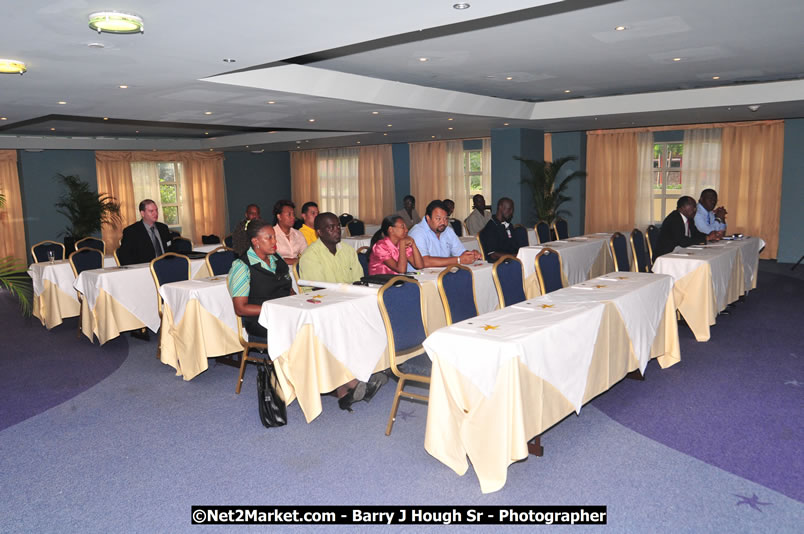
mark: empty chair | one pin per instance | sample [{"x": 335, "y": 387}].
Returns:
[
  {"x": 549, "y": 270},
  {"x": 345, "y": 218},
  {"x": 653, "y": 240},
  {"x": 619, "y": 251},
  {"x": 520, "y": 234},
  {"x": 91, "y": 242},
  {"x": 400, "y": 302},
  {"x": 219, "y": 260},
  {"x": 84, "y": 259},
  {"x": 457, "y": 226},
  {"x": 561, "y": 229},
  {"x": 210, "y": 239},
  {"x": 182, "y": 244},
  {"x": 167, "y": 268},
  {"x": 228, "y": 240},
  {"x": 356, "y": 227},
  {"x": 542, "y": 232},
  {"x": 639, "y": 252},
  {"x": 363, "y": 258},
  {"x": 457, "y": 289},
  {"x": 509, "y": 280},
  {"x": 39, "y": 251}
]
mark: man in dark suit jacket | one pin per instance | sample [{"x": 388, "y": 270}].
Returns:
[
  {"x": 678, "y": 228},
  {"x": 140, "y": 242}
]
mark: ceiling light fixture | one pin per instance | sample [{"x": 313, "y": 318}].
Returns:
[
  {"x": 12, "y": 66},
  {"x": 3, "y": 118},
  {"x": 385, "y": 134},
  {"x": 106, "y": 118},
  {"x": 450, "y": 128},
  {"x": 461, "y": 5},
  {"x": 206, "y": 133},
  {"x": 505, "y": 124},
  {"x": 358, "y": 142},
  {"x": 389, "y": 125},
  {"x": 114, "y": 22},
  {"x": 424, "y": 59},
  {"x": 375, "y": 112},
  {"x": 676, "y": 59},
  {"x": 509, "y": 77},
  {"x": 96, "y": 45},
  {"x": 62, "y": 103},
  {"x": 567, "y": 91},
  {"x": 310, "y": 120},
  {"x": 432, "y": 137},
  {"x": 229, "y": 60},
  {"x": 52, "y": 129},
  {"x": 450, "y": 119},
  {"x": 271, "y": 102},
  {"x": 620, "y": 28},
  {"x": 207, "y": 113},
  {"x": 715, "y": 77},
  {"x": 753, "y": 107},
  {"x": 123, "y": 86}
]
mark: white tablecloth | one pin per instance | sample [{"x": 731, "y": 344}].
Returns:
[
  {"x": 211, "y": 293},
  {"x": 58, "y": 273},
  {"x": 470, "y": 242},
  {"x": 207, "y": 248},
  {"x": 683, "y": 261},
  {"x": 577, "y": 256},
  {"x": 357, "y": 241}
]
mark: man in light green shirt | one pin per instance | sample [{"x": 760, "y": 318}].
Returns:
[{"x": 328, "y": 260}]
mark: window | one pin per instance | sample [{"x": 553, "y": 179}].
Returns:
[
  {"x": 667, "y": 178},
  {"x": 169, "y": 192},
  {"x": 162, "y": 182},
  {"x": 337, "y": 180},
  {"x": 473, "y": 174}
]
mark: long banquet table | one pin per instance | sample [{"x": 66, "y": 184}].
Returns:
[{"x": 502, "y": 378}]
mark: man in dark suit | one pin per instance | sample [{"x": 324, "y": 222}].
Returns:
[
  {"x": 678, "y": 228},
  {"x": 145, "y": 239}
]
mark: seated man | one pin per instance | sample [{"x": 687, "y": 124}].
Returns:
[
  {"x": 408, "y": 212},
  {"x": 145, "y": 239},
  {"x": 309, "y": 213},
  {"x": 678, "y": 229},
  {"x": 497, "y": 237},
  {"x": 707, "y": 218},
  {"x": 437, "y": 242},
  {"x": 259, "y": 274},
  {"x": 290, "y": 243},
  {"x": 479, "y": 218},
  {"x": 240, "y": 242},
  {"x": 329, "y": 260}
]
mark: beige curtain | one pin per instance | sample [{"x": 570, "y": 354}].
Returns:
[
  {"x": 611, "y": 161},
  {"x": 428, "y": 162},
  {"x": 304, "y": 177},
  {"x": 751, "y": 180},
  {"x": 548, "y": 147},
  {"x": 12, "y": 225},
  {"x": 644, "y": 207},
  {"x": 114, "y": 178},
  {"x": 486, "y": 179},
  {"x": 375, "y": 177}
]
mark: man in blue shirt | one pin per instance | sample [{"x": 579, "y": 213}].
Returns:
[
  {"x": 707, "y": 218},
  {"x": 437, "y": 241}
]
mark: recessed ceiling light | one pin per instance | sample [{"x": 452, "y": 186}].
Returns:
[
  {"x": 272, "y": 131},
  {"x": 207, "y": 113},
  {"x": 52, "y": 129},
  {"x": 206, "y": 133},
  {"x": 136, "y": 131},
  {"x": 12, "y": 66},
  {"x": 61, "y": 103},
  {"x": 96, "y": 45},
  {"x": 423, "y": 59},
  {"x": 676, "y": 59},
  {"x": 509, "y": 77},
  {"x": 375, "y": 112},
  {"x": 505, "y": 124},
  {"x": 3, "y": 118},
  {"x": 358, "y": 142},
  {"x": 123, "y": 86},
  {"x": 246, "y": 146},
  {"x": 450, "y": 119},
  {"x": 491, "y": 76},
  {"x": 385, "y": 134},
  {"x": 620, "y": 28},
  {"x": 567, "y": 91},
  {"x": 432, "y": 136},
  {"x": 450, "y": 128},
  {"x": 114, "y": 22},
  {"x": 461, "y": 5},
  {"x": 271, "y": 102},
  {"x": 715, "y": 77},
  {"x": 298, "y": 142},
  {"x": 106, "y": 118},
  {"x": 229, "y": 60},
  {"x": 389, "y": 125},
  {"x": 310, "y": 120}
]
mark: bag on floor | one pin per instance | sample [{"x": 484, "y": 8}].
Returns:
[{"x": 273, "y": 411}]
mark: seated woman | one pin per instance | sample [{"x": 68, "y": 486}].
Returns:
[
  {"x": 258, "y": 275},
  {"x": 392, "y": 251}
]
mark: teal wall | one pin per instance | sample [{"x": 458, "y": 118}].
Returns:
[
  {"x": 40, "y": 191},
  {"x": 260, "y": 179},
  {"x": 791, "y": 219},
  {"x": 507, "y": 173},
  {"x": 401, "y": 155},
  {"x": 572, "y": 144}
]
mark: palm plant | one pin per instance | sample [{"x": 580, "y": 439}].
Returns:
[
  {"x": 14, "y": 277},
  {"x": 86, "y": 210},
  {"x": 547, "y": 198}
]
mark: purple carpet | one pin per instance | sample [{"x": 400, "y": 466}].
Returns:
[
  {"x": 41, "y": 369},
  {"x": 736, "y": 401}
]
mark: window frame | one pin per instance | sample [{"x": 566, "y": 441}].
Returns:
[
  {"x": 663, "y": 194},
  {"x": 176, "y": 182}
]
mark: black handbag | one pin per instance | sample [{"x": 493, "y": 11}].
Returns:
[{"x": 273, "y": 411}]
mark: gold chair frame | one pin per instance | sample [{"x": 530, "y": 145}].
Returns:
[
  {"x": 443, "y": 294},
  {"x": 159, "y": 296},
  {"x": 248, "y": 346},
  {"x": 393, "y": 355},
  {"x": 635, "y": 266},
  {"x": 93, "y": 238},
  {"x": 213, "y": 251},
  {"x": 536, "y": 231},
  {"x": 480, "y": 247},
  {"x": 554, "y": 228},
  {"x": 45, "y": 242},
  {"x": 116, "y": 259},
  {"x": 614, "y": 254},
  {"x": 539, "y": 276},
  {"x": 650, "y": 247},
  {"x": 81, "y": 295},
  {"x": 496, "y": 277}
]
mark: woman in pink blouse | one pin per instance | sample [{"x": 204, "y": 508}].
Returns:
[{"x": 392, "y": 249}]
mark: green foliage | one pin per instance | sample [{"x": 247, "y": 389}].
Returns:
[
  {"x": 547, "y": 197},
  {"x": 14, "y": 277},
  {"x": 86, "y": 210}
]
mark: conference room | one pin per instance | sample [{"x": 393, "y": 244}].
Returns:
[{"x": 541, "y": 363}]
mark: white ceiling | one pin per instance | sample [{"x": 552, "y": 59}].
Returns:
[{"x": 337, "y": 62}]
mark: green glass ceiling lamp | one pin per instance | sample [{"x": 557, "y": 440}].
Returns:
[{"x": 115, "y": 22}]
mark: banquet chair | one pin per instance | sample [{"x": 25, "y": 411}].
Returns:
[
  {"x": 508, "y": 280},
  {"x": 84, "y": 259},
  {"x": 167, "y": 268},
  {"x": 653, "y": 240},
  {"x": 457, "y": 226},
  {"x": 345, "y": 218},
  {"x": 400, "y": 302},
  {"x": 210, "y": 239},
  {"x": 116, "y": 258},
  {"x": 619, "y": 252},
  {"x": 542, "y": 232},
  {"x": 549, "y": 270},
  {"x": 363, "y": 257},
  {"x": 228, "y": 240},
  {"x": 39, "y": 251},
  {"x": 91, "y": 242},
  {"x": 457, "y": 290},
  {"x": 219, "y": 260},
  {"x": 561, "y": 229},
  {"x": 182, "y": 244},
  {"x": 480, "y": 246},
  {"x": 639, "y": 252},
  {"x": 356, "y": 227},
  {"x": 249, "y": 342},
  {"x": 520, "y": 234}
]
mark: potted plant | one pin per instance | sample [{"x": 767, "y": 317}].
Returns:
[
  {"x": 86, "y": 210},
  {"x": 547, "y": 198},
  {"x": 14, "y": 276}
]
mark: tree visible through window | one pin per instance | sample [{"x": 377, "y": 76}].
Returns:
[
  {"x": 473, "y": 173},
  {"x": 169, "y": 193},
  {"x": 667, "y": 178}
]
